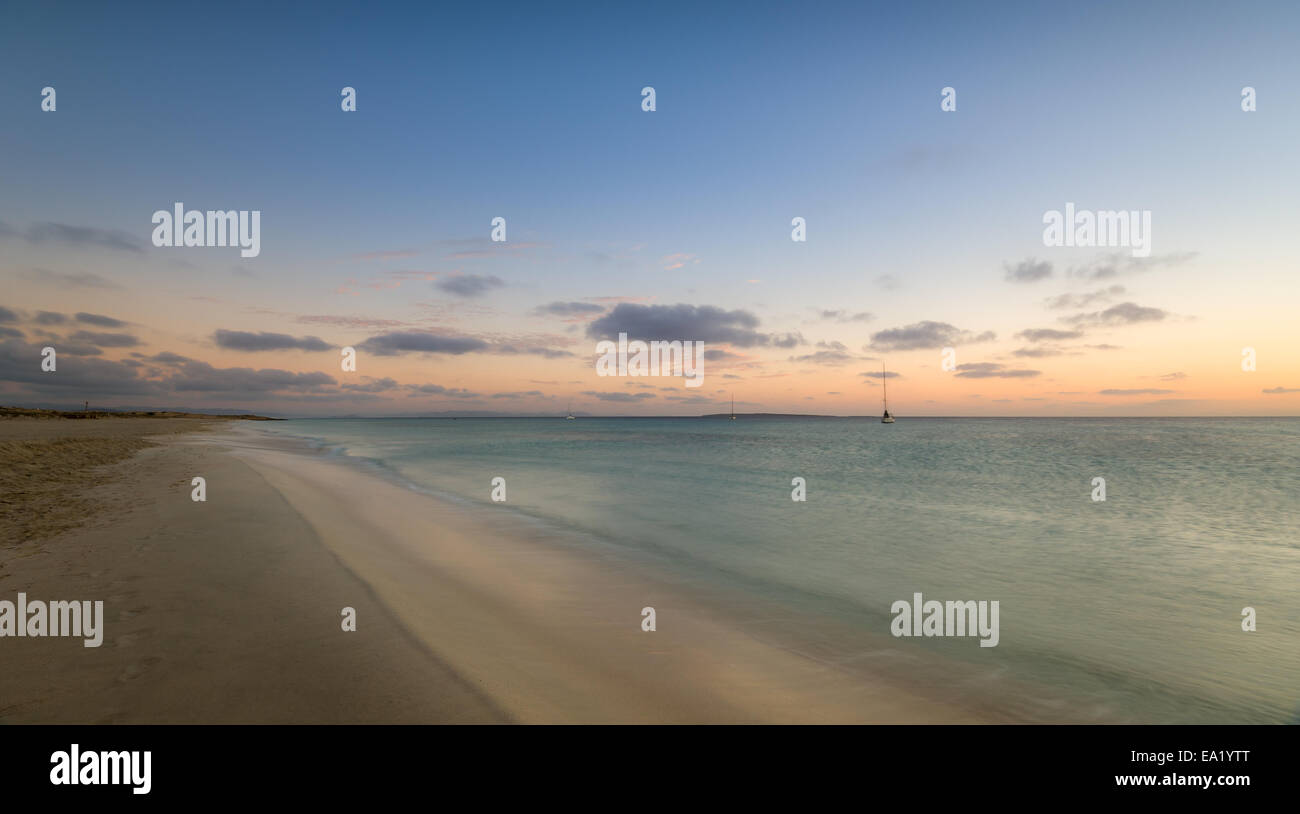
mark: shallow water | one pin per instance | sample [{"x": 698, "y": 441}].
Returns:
[{"x": 1122, "y": 610}]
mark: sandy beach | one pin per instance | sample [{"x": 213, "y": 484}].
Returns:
[
  {"x": 229, "y": 610},
  {"x": 219, "y": 612}
]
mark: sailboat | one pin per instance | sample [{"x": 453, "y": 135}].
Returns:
[
  {"x": 884, "y": 395},
  {"x": 733, "y": 406},
  {"x": 570, "y": 416}
]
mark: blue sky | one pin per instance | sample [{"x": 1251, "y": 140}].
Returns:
[{"x": 764, "y": 112}]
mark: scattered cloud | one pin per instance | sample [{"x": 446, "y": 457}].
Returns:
[
  {"x": 927, "y": 334},
  {"x": 622, "y": 397},
  {"x": 251, "y": 342},
  {"x": 469, "y": 285},
  {"x": 82, "y": 237},
  {"x": 391, "y": 344},
  {"x": 688, "y": 323},
  {"x": 846, "y": 316},
  {"x": 1099, "y": 297},
  {"x": 1126, "y": 313},
  {"x": 1028, "y": 271},
  {"x": 569, "y": 309},
  {"x": 549, "y": 353},
  {"x": 672, "y": 262},
  {"x": 100, "y": 320},
  {"x": 1047, "y": 335},
  {"x": 68, "y": 280},
  {"x": 1120, "y": 264},
  {"x": 202, "y": 376},
  {"x": 992, "y": 370},
  {"x": 105, "y": 340}
]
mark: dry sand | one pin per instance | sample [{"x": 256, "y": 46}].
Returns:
[
  {"x": 229, "y": 611},
  {"x": 219, "y": 612}
]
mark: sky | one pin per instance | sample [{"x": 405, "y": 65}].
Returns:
[{"x": 924, "y": 227}]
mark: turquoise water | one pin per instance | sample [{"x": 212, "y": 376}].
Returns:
[{"x": 1122, "y": 610}]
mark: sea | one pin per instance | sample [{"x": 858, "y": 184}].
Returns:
[{"x": 1127, "y": 609}]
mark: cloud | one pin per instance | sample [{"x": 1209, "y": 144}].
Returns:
[
  {"x": 1172, "y": 377},
  {"x": 337, "y": 321},
  {"x": 1143, "y": 391},
  {"x": 623, "y": 397},
  {"x": 719, "y": 355},
  {"x": 469, "y": 285},
  {"x": 204, "y": 377},
  {"x": 519, "y": 394},
  {"x": 1126, "y": 313},
  {"x": 439, "y": 390},
  {"x": 678, "y": 260},
  {"x": 1036, "y": 353},
  {"x": 1117, "y": 264},
  {"x": 825, "y": 357},
  {"x": 50, "y": 318},
  {"x": 106, "y": 340},
  {"x": 878, "y": 374},
  {"x": 63, "y": 279},
  {"x": 888, "y": 282},
  {"x": 1028, "y": 271},
  {"x": 372, "y": 385},
  {"x": 79, "y": 376},
  {"x": 992, "y": 370},
  {"x": 391, "y": 344},
  {"x": 927, "y": 334},
  {"x": 1099, "y": 297},
  {"x": 549, "y": 353},
  {"x": 7, "y": 315},
  {"x": 568, "y": 309},
  {"x": 688, "y": 323},
  {"x": 1275, "y": 391},
  {"x": 1047, "y": 335},
  {"x": 167, "y": 358},
  {"x": 251, "y": 342},
  {"x": 82, "y": 237},
  {"x": 12, "y": 333},
  {"x": 845, "y": 316},
  {"x": 99, "y": 320}
]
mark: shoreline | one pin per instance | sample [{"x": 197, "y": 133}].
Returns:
[
  {"x": 567, "y": 644},
  {"x": 229, "y": 611}
]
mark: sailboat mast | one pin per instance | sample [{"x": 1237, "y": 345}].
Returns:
[{"x": 884, "y": 383}]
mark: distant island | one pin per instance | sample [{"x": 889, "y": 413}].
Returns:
[{"x": 31, "y": 412}]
